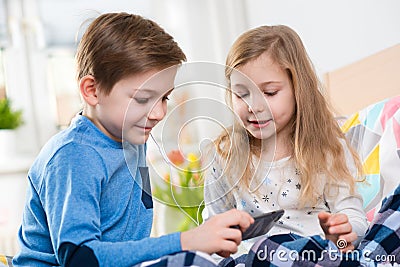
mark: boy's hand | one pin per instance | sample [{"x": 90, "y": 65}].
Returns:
[
  {"x": 338, "y": 229},
  {"x": 216, "y": 234}
]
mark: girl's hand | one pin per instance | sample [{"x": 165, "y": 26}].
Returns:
[
  {"x": 338, "y": 229},
  {"x": 216, "y": 234}
]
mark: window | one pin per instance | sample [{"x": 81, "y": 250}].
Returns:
[
  {"x": 2, "y": 78},
  {"x": 61, "y": 73},
  {"x": 3, "y": 43}
]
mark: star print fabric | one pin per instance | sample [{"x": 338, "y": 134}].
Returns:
[{"x": 279, "y": 188}]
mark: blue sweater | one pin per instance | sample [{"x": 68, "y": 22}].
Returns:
[{"x": 85, "y": 201}]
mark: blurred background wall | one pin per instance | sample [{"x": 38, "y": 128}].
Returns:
[
  {"x": 38, "y": 39},
  {"x": 38, "y": 42}
]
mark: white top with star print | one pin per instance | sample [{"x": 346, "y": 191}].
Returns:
[{"x": 280, "y": 189}]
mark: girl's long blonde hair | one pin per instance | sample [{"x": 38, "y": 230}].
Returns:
[{"x": 315, "y": 135}]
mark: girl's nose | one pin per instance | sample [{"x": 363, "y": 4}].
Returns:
[{"x": 257, "y": 105}]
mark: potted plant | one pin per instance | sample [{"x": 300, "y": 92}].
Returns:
[{"x": 10, "y": 120}]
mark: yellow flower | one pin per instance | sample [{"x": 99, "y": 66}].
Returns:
[
  {"x": 166, "y": 177},
  {"x": 194, "y": 162},
  {"x": 182, "y": 186}
]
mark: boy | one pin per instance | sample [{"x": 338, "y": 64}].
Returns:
[{"x": 85, "y": 204}]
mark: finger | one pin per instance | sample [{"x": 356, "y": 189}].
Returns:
[
  {"x": 232, "y": 234},
  {"x": 229, "y": 246},
  {"x": 245, "y": 222},
  {"x": 340, "y": 229},
  {"x": 224, "y": 254},
  {"x": 226, "y": 248},
  {"x": 351, "y": 237},
  {"x": 338, "y": 218},
  {"x": 237, "y": 217},
  {"x": 349, "y": 247},
  {"x": 323, "y": 217}
]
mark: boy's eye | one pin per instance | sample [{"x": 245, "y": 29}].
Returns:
[
  {"x": 241, "y": 95},
  {"x": 141, "y": 100}
]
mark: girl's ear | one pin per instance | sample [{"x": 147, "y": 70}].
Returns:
[{"x": 88, "y": 89}]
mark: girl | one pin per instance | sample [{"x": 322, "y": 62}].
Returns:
[{"x": 298, "y": 159}]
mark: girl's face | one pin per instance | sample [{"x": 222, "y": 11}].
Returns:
[
  {"x": 263, "y": 98},
  {"x": 135, "y": 105}
]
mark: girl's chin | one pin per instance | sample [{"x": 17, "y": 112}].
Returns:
[{"x": 261, "y": 135}]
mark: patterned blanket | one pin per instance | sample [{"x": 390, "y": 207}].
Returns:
[
  {"x": 375, "y": 133},
  {"x": 379, "y": 247},
  {"x": 5, "y": 261}
]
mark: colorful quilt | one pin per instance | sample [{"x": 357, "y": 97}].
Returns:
[
  {"x": 375, "y": 133},
  {"x": 5, "y": 261}
]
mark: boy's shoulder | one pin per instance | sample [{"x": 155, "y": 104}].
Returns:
[
  {"x": 75, "y": 138},
  {"x": 82, "y": 138},
  {"x": 76, "y": 132}
]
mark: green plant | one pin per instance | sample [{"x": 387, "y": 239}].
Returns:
[
  {"x": 182, "y": 188},
  {"x": 9, "y": 118}
]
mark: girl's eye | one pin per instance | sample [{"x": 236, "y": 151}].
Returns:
[
  {"x": 141, "y": 100},
  {"x": 271, "y": 93}
]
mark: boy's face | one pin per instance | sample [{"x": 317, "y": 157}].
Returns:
[
  {"x": 135, "y": 105},
  {"x": 263, "y": 98}
]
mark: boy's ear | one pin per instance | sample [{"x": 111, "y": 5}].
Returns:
[{"x": 88, "y": 89}]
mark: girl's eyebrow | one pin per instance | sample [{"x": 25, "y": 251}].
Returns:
[
  {"x": 269, "y": 83},
  {"x": 261, "y": 85}
]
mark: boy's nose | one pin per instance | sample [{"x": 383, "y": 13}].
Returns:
[{"x": 158, "y": 111}]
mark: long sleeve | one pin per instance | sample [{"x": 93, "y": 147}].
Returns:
[
  {"x": 217, "y": 192},
  {"x": 340, "y": 200},
  {"x": 88, "y": 204},
  {"x": 73, "y": 201}
]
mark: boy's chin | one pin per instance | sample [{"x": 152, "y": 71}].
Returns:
[{"x": 138, "y": 140}]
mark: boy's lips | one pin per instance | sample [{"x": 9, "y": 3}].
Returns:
[{"x": 146, "y": 128}]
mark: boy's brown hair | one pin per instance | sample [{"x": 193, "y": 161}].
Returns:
[{"x": 117, "y": 45}]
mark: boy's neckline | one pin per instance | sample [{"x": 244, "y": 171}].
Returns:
[{"x": 105, "y": 137}]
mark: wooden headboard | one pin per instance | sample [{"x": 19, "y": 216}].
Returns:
[{"x": 364, "y": 82}]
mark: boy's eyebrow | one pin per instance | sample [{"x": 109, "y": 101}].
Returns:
[
  {"x": 143, "y": 90},
  {"x": 153, "y": 92},
  {"x": 147, "y": 90}
]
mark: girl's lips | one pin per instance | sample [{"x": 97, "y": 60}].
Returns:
[{"x": 260, "y": 124}]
